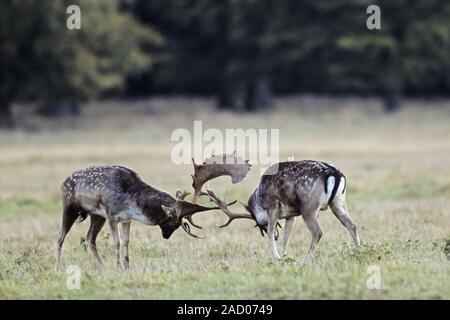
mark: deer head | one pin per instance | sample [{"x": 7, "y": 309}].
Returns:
[
  {"x": 222, "y": 165},
  {"x": 222, "y": 204},
  {"x": 216, "y": 166},
  {"x": 181, "y": 213}
]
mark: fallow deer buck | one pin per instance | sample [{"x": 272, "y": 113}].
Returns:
[
  {"x": 296, "y": 188},
  {"x": 118, "y": 195}
]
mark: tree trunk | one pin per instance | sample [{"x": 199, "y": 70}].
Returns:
[
  {"x": 258, "y": 95},
  {"x": 392, "y": 101},
  {"x": 392, "y": 81},
  {"x": 65, "y": 108},
  {"x": 227, "y": 96},
  {"x": 392, "y": 91},
  {"x": 250, "y": 97},
  {"x": 6, "y": 116}
]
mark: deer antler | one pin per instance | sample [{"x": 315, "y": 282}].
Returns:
[
  {"x": 187, "y": 229},
  {"x": 216, "y": 166},
  {"x": 181, "y": 195},
  {"x": 224, "y": 207}
]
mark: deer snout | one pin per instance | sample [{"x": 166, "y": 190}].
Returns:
[{"x": 168, "y": 227}]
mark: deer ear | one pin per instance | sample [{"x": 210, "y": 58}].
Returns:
[{"x": 168, "y": 210}]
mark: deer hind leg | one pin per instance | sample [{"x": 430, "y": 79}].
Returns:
[
  {"x": 271, "y": 229},
  {"x": 310, "y": 219},
  {"x": 113, "y": 225},
  {"x": 70, "y": 214},
  {"x": 288, "y": 226},
  {"x": 125, "y": 241},
  {"x": 339, "y": 208},
  {"x": 97, "y": 224}
]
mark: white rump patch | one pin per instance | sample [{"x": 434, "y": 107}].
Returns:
[
  {"x": 330, "y": 185},
  {"x": 341, "y": 186},
  {"x": 326, "y": 196},
  {"x": 340, "y": 194}
]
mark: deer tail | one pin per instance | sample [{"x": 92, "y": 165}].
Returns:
[{"x": 337, "y": 182}]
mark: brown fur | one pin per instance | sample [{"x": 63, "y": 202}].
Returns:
[{"x": 118, "y": 195}]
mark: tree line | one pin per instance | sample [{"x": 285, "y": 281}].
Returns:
[{"x": 241, "y": 51}]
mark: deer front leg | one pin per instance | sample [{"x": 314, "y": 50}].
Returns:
[
  {"x": 115, "y": 234},
  {"x": 271, "y": 228},
  {"x": 125, "y": 241},
  {"x": 70, "y": 214},
  {"x": 288, "y": 226}
]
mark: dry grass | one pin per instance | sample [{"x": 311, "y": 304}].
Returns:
[{"x": 399, "y": 186}]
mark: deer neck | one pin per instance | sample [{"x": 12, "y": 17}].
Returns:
[
  {"x": 149, "y": 201},
  {"x": 257, "y": 210}
]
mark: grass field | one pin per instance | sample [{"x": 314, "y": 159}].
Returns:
[{"x": 398, "y": 170}]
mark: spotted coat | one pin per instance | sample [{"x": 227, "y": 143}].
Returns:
[
  {"x": 107, "y": 190},
  {"x": 293, "y": 185}
]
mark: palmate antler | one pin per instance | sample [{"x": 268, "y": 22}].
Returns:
[{"x": 216, "y": 166}]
